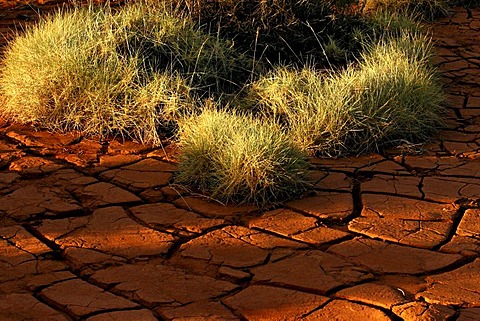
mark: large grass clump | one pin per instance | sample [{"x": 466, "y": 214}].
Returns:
[
  {"x": 127, "y": 72},
  {"x": 390, "y": 96},
  {"x": 234, "y": 157}
]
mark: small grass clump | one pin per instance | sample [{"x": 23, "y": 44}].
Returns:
[
  {"x": 389, "y": 97},
  {"x": 428, "y": 9},
  {"x": 129, "y": 72},
  {"x": 234, "y": 157},
  {"x": 383, "y": 22}
]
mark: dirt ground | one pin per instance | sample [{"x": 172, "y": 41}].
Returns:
[{"x": 98, "y": 231}]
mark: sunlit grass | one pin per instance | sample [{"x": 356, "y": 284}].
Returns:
[
  {"x": 145, "y": 71},
  {"x": 128, "y": 72},
  {"x": 390, "y": 96},
  {"x": 234, "y": 157}
]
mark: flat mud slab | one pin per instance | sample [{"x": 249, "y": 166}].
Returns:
[{"x": 99, "y": 231}]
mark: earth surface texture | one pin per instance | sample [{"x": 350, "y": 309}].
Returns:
[{"x": 92, "y": 231}]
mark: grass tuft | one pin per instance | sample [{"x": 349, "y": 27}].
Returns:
[
  {"x": 390, "y": 96},
  {"x": 130, "y": 72},
  {"x": 383, "y": 22},
  {"x": 234, "y": 157},
  {"x": 428, "y": 9}
]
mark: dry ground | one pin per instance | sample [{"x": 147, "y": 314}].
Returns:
[{"x": 92, "y": 231}]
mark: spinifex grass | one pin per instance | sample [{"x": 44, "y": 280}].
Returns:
[
  {"x": 428, "y": 9},
  {"x": 234, "y": 157},
  {"x": 383, "y": 22},
  {"x": 138, "y": 70},
  {"x": 390, "y": 96},
  {"x": 129, "y": 72},
  {"x": 281, "y": 31}
]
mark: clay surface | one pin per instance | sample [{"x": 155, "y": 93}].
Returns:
[{"x": 92, "y": 232}]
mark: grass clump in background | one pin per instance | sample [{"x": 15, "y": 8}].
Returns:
[
  {"x": 234, "y": 157},
  {"x": 428, "y": 9},
  {"x": 282, "y": 31},
  {"x": 390, "y": 96},
  {"x": 394, "y": 24},
  {"x": 129, "y": 72}
]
